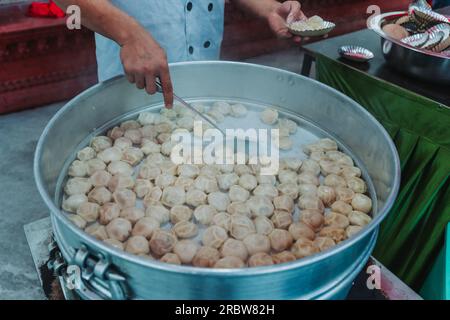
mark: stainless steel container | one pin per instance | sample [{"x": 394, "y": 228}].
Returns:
[
  {"x": 110, "y": 273},
  {"x": 425, "y": 65}
]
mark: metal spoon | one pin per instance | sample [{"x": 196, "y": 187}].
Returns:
[{"x": 187, "y": 105}]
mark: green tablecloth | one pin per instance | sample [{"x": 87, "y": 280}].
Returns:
[{"x": 413, "y": 233}]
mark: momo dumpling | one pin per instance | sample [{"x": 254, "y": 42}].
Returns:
[
  {"x": 100, "y": 178},
  {"x": 164, "y": 180},
  {"x": 204, "y": 214},
  {"x": 110, "y": 154},
  {"x": 130, "y": 124},
  {"x": 125, "y": 198},
  {"x": 119, "y": 229},
  {"x": 123, "y": 143},
  {"x": 263, "y": 225},
  {"x": 214, "y": 236},
  {"x": 287, "y": 176},
  {"x": 98, "y": 231},
  {"x": 145, "y": 227},
  {"x": 77, "y": 186},
  {"x": 153, "y": 197},
  {"x": 266, "y": 190},
  {"x": 73, "y": 202},
  {"x": 241, "y": 226},
  {"x": 185, "y": 229},
  {"x": 284, "y": 202},
  {"x": 234, "y": 248},
  {"x": 86, "y": 154},
  {"x": 269, "y": 116},
  {"x": 206, "y": 257},
  {"x": 307, "y": 188},
  {"x": 308, "y": 178},
  {"x": 195, "y": 197},
  {"x": 135, "y": 135},
  {"x": 248, "y": 182},
  {"x": 219, "y": 200},
  {"x": 280, "y": 240},
  {"x": 238, "y": 193},
  {"x": 301, "y": 230},
  {"x": 100, "y": 195},
  {"x": 173, "y": 196},
  {"x": 303, "y": 247},
  {"x": 282, "y": 219},
  {"x": 222, "y": 107},
  {"x": 238, "y": 111},
  {"x": 227, "y": 180},
  {"x": 162, "y": 242},
  {"x": 206, "y": 184},
  {"x": 100, "y": 143},
  {"x": 121, "y": 181},
  {"x": 132, "y": 156},
  {"x": 290, "y": 189},
  {"x": 132, "y": 214},
  {"x": 326, "y": 194},
  {"x": 361, "y": 202},
  {"x": 77, "y": 169},
  {"x": 186, "y": 250},
  {"x": 120, "y": 167},
  {"x": 180, "y": 213},
  {"x": 283, "y": 257},
  {"x": 108, "y": 212},
  {"x": 229, "y": 262},
  {"x": 137, "y": 245},
  {"x": 158, "y": 212},
  {"x": 115, "y": 133},
  {"x": 337, "y": 220},
  {"x": 88, "y": 211},
  {"x": 240, "y": 207},
  {"x": 171, "y": 258},
  {"x": 142, "y": 187},
  {"x": 289, "y": 124},
  {"x": 188, "y": 170},
  {"x": 310, "y": 202},
  {"x": 260, "y": 206},
  {"x": 222, "y": 219},
  {"x": 149, "y": 147},
  {"x": 257, "y": 243},
  {"x": 359, "y": 218}
]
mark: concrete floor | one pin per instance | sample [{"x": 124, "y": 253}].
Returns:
[{"x": 20, "y": 202}]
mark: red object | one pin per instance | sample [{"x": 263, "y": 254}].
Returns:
[{"x": 45, "y": 10}]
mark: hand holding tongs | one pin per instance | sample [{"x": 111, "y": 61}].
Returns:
[{"x": 187, "y": 105}]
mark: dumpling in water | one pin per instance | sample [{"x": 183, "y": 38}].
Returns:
[
  {"x": 269, "y": 116},
  {"x": 238, "y": 111}
]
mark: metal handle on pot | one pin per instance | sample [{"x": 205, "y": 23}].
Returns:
[{"x": 91, "y": 276}]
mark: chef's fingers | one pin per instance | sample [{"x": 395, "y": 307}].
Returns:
[
  {"x": 166, "y": 83},
  {"x": 140, "y": 81},
  {"x": 131, "y": 78},
  {"x": 297, "y": 39},
  {"x": 150, "y": 83},
  {"x": 293, "y": 11}
]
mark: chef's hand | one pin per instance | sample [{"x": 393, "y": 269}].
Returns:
[
  {"x": 284, "y": 14},
  {"x": 144, "y": 61}
]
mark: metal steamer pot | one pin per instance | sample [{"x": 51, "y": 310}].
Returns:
[
  {"x": 421, "y": 64},
  {"x": 110, "y": 273}
]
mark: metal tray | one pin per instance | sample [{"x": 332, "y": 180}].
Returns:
[{"x": 111, "y": 273}]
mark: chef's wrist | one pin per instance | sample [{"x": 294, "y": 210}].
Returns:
[
  {"x": 270, "y": 9},
  {"x": 132, "y": 32}
]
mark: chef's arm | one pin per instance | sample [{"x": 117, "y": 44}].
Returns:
[
  {"x": 142, "y": 57},
  {"x": 275, "y": 13}
]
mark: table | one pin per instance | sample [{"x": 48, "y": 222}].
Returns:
[
  {"x": 416, "y": 115},
  {"x": 377, "y": 67}
]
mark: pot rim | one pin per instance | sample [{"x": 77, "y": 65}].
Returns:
[{"x": 199, "y": 270}]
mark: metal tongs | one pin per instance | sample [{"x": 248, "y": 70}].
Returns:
[{"x": 187, "y": 105}]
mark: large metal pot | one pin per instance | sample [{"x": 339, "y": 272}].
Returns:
[
  {"x": 110, "y": 273},
  {"x": 425, "y": 65}
]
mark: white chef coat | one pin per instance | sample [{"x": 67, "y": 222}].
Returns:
[{"x": 187, "y": 30}]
